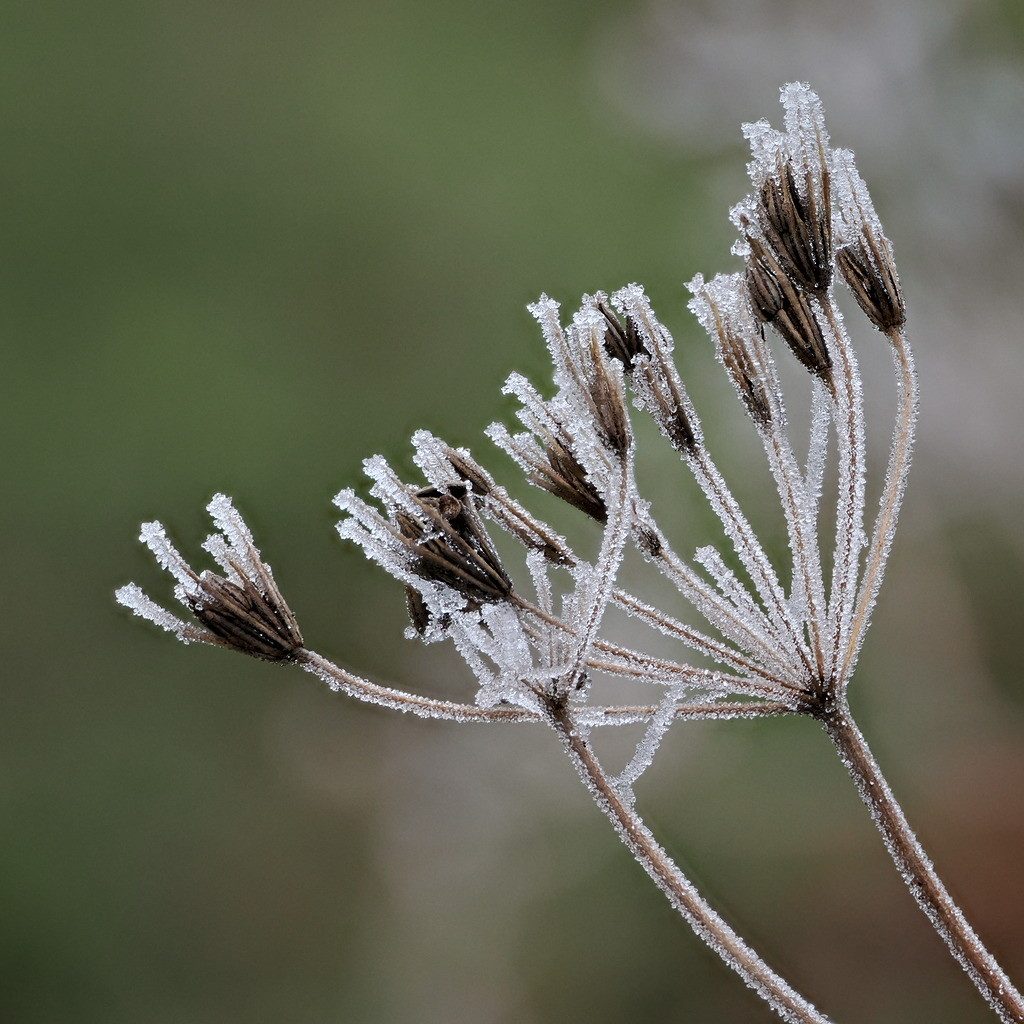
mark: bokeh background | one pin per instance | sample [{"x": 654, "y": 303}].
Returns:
[{"x": 248, "y": 245}]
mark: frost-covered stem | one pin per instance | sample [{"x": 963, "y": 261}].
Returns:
[
  {"x": 613, "y": 543},
  {"x": 892, "y": 497},
  {"x": 449, "y": 711},
  {"x": 750, "y": 553},
  {"x": 401, "y": 700},
  {"x": 725, "y": 711},
  {"x": 803, "y": 535},
  {"x": 718, "y": 611},
  {"x": 709, "y": 927},
  {"x": 850, "y": 502},
  {"x": 913, "y": 864}
]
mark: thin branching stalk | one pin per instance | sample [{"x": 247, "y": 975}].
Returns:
[
  {"x": 808, "y": 224},
  {"x": 395, "y": 699},
  {"x": 752, "y": 555},
  {"x": 850, "y": 504},
  {"x": 892, "y": 496},
  {"x": 680, "y": 891},
  {"x": 803, "y": 540},
  {"x": 917, "y": 870}
]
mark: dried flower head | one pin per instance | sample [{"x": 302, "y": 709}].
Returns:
[
  {"x": 723, "y": 308},
  {"x": 782, "y": 637},
  {"x": 621, "y": 340},
  {"x": 866, "y": 260},
  {"x": 781, "y": 302},
  {"x": 448, "y": 544},
  {"x": 792, "y": 209},
  {"x": 243, "y": 609}
]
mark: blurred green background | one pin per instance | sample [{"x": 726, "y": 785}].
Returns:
[{"x": 250, "y": 244}]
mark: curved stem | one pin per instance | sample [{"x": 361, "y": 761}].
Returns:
[
  {"x": 892, "y": 499},
  {"x": 849, "y": 420},
  {"x": 449, "y": 711},
  {"x": 913, "y": 864},
  {"x": 750, "y": 552},
  {"x": 803, "y": 534},
  {"x": 681, "y": 892}
]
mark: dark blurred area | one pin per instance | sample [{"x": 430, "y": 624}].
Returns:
[{"x": 249, "y": 245}]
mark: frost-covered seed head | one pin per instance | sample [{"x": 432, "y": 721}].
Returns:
[
  {"x": 667, "y": 405},
  {"x": 449, "y": 545},
  {"x": 776, "y": 300},
  {"x": 561, "y": 473},
  {"x": 607, "y": 400},
  {"x": 259, "y": 625},
  {"x": 242, "y": 609},
  {"x": 799, "y": 227},
  {"x": 866, "y": 260},
  {"x": 745, "y": 373},
  {"x": 621, "y": 340},
  {"x": 868, "y": 269}
]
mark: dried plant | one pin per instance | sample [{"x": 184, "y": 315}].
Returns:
[{"x": 781, "y": 644}]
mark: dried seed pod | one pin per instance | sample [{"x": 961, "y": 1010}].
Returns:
[
  {"x": 866, "y": 261},
  {"x": 449, "y": 545},
  {"x": 746, "y": 376},
  {"x": 607, "y": 401},
  {"x": 799, "y": 227},
  {"x": 257, "y": 624},
  {"x": 561, "y": 473},
  {"x": 665, "y": 401},
  {"x": 723, "y": 307},
  {"x": 621, "y": 340},
  {"x": 242, "y": 609},
  {"x": 776, "y": 300},
  {"x": 868, "y": 268}
]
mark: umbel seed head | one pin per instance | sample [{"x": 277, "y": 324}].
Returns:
[
  {"x": 868, "y": 269},
  {"x": 242, "y": 609},
  {"x": 448, "y": 545},
  {"x": 799, "y": 228},
  {"x": 243, "y": 618},
  {"x": 778, "y": 301}
]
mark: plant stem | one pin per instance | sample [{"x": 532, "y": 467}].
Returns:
[
  {"x": 892, "y": 499},
  {"x": 447, "y": 711},
  {"x": 681, "y": 893},
  {"x": 917, "y": 871}
]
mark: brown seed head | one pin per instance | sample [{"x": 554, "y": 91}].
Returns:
[
  {"x": 799, "y": 227},
  {"x": 868, "y": 268},
  {"x": 621, "y": 340},
  {"x": 561, "y": 473},
  {"x": 449, "y": 545},
  {"x": 242, "y": 617},
  {"x": 667, "y": 406},
  {"x": 607, "y": 401},
  {"x": 744, "y": 369},
  {"x": 776, "y": 300}
]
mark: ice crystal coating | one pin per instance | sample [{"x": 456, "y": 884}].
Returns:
[
  {"x": 243, "y": 609},
  {"x": 535, "y": 635}
]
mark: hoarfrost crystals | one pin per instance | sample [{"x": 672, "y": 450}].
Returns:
[{"x": 535, "y": 639}]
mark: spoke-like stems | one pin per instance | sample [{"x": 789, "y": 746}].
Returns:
[
  {"x": 684, "y": 897},
  {"x": 803, "y": 535},
  {"x": 771, "y": 664},
  {"x": 916, "y": 869},
  {"x": 390, "y": 697},
  {"x": 850, "y": 501},
  {"x": 892, "y": 499},
  {"x": 751, "y": 554}
]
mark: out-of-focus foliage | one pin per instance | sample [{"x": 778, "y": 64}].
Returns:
[{"x": 247, "y": 246}]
